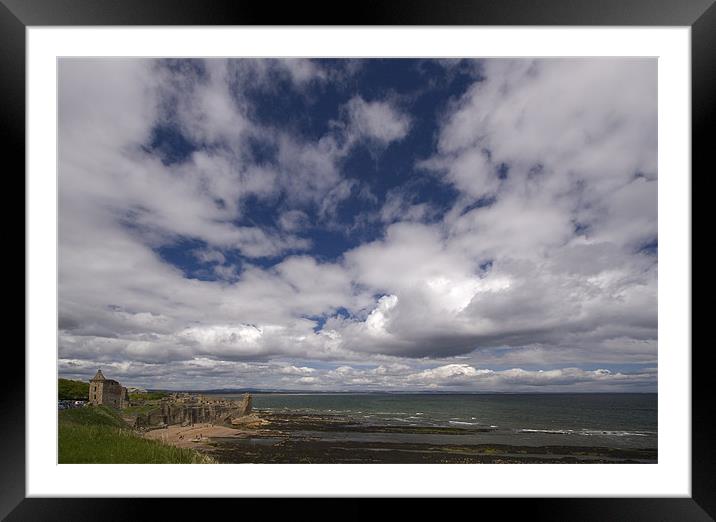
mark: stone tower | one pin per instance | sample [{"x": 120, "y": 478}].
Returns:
[
  {"x": 108, "y": 392},
  {"x": 96, "y": 388}
]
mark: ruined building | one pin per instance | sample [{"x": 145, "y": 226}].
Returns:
[
  {"x": 107, "y": 392},
  {"x": 188, "y": 409}
]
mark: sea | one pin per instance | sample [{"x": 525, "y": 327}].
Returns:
[{"x": 595, "y": 420}]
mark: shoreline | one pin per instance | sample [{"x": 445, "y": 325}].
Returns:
[{"x": 316, "y": 438}]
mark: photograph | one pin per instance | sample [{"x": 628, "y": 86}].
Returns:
[{"x": 284, "y": 260}]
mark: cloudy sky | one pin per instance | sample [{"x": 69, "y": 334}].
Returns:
[{"x": 486, "y": 225}]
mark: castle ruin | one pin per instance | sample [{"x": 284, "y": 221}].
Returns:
[
  {"x": 178, "y": 408},
  {"x": 185, "y": 408},
  {"x": 103, "y": 391}
]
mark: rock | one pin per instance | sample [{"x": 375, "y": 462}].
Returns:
[
  {"x": 248, "y": 421},
  {"x": 245, "y": 405},
  {"x": 188, "y": 409}
]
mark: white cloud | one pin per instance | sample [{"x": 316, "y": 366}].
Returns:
[
  {"x": 107, "y": 178},
  {"x": 205, "y": 108},
  {"x": 303, "y": 71},
  {"x": 466, "y": 375},
  {"x": 266, "y": 74},
  {"x": 293, "y": 220},
  {"x": 536, "y": 264},
  {"x": 219, "y": 373},
  {"x": 377, "y": 320},
  {"x": 400, "y": 207},
  {"x": 377, "y": 120}
]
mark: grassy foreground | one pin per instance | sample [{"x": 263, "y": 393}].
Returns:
[{"x": 98, "y": 435}]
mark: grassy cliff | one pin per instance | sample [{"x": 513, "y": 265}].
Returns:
[
  {"x": 72, "y": 390},
  {"x": 98, "y": 435}
]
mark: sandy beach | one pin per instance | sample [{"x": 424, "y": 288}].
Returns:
[{"x": 192, "y": 436}]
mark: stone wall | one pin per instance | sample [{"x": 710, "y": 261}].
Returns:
[
  {"x": 184, "y": 412},
  {"x": 108, "y": 393},
  {"x": 95, "y": 393}
]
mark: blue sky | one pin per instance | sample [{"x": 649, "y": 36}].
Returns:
[{"x": 359, "y": 224}]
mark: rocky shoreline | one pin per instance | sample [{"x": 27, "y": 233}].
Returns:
[{"x": 323, "y": 438}]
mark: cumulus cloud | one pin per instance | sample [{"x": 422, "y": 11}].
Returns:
[
  {"x": 185, "y": 240},
  {"x": 376, "y": 120},
  {"x": 267, "y": 74},
  {"x": 395, "y": 377}
]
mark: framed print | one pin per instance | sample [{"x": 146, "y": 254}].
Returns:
[{"x": 427, "y": 251}]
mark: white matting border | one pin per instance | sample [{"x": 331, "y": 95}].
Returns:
[{"x": 670, "y": 477}]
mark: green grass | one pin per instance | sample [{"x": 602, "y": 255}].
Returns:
[
  {"x": 147, "y": 396},
  {"x": 72, "y": 390},
  {"x": 92, "y": 416},
  {"x": 98, "y": 435}
]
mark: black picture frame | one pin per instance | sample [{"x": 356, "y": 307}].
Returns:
[{"x": 699, "y": 15}]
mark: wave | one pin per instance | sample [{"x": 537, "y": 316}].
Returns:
[
  {"x": 614, "y": 433},
  {"x": 586, "y": 432},
  {"x": 463, "y": 422}
]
